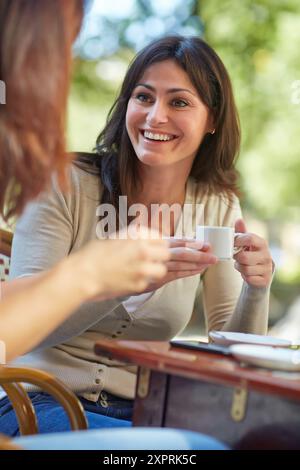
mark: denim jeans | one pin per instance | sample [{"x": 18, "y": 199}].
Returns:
[
  {"x": 110, "y": 405},
  {"x": 109, "y": 411}
]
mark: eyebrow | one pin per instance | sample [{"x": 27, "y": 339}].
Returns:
[{"x": 170, "y": 90}]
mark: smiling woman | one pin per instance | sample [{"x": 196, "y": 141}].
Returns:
[{"x": 35, "y": 63}]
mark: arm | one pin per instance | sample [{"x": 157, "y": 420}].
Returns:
[
  {"x": 28, "y": 315},
  {"x": 109, "y": 268},
  {"x": 256, "y": 267},
  {"x": 251, "y": 312},
  {"x": 17, "y": 285},
  {"x": 222, "y": 286},
  {"x": 48, "y": 232},
  {"x": 231, "y": 304}
]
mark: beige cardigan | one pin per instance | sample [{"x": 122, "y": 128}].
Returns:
[{"x": 59, "y": 224}]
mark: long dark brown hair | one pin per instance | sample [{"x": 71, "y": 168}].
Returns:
[
  {"x": 214, "y": 164},
  {"x": 35, "y": 62}
]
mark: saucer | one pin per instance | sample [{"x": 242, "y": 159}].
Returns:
[
  {"x": 226, "y": 338},
  {"x": 266, "y": 356}
]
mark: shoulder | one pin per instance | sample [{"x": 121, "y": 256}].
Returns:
[
  {"x": 81, "y": 194},
  {"x": 83, "y": 181},
  {"x": 84, "y": 173}
]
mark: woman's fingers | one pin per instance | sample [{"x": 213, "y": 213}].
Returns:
[
  {"x": 188, "y": 243},
  {"x": 254, "y": 262},
  {"x": 251, "y": 258},
  {"x": 192, "y": 256},
  {"x": 173, "y": 275},
  {"x": 150, "y": 271},
  {"x": 249, "y": 241},
  {"x": 155, "y": 250},
  {"x": 257, "y": 270},
  {"x": 256, "y": 281},
  {"x": 176, "y": 266}
]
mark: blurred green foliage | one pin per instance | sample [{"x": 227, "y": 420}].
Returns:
[
  {"x": 259, "y": 43},
  {"x": 90, "y": 100}
]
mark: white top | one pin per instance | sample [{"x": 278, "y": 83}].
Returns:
[{"x": 136, "y": 301}]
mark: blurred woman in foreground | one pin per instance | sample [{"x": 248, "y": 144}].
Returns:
[{"x": 35, "y": 64}]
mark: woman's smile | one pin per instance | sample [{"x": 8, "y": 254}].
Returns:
[
  {"x": 166, "y": 119},
  {"x": 156, "y": 137}
]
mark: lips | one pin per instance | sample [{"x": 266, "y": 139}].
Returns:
[{"x": 156, "y": 136}]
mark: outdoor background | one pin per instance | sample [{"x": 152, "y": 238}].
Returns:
[{"x": 259, "y": 43}]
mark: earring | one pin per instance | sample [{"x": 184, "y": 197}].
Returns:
[{"x": 213, "y": 131}]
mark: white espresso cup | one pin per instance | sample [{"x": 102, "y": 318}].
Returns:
[{"x": 221, "y": 240}]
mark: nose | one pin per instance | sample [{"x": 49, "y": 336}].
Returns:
[{"x": 157, "y": 114}]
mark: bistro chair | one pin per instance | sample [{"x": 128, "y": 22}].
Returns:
[{"x": 11, "y": 379}]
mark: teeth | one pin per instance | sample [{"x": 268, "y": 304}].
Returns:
[{"x": 150, "y": 135}]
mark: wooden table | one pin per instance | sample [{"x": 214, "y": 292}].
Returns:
[{"x": 243, "y": 406}]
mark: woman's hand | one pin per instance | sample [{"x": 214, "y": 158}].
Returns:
[
  {"x": 254, "y": 261},
  {"x": 187, "y": 258},
  {"x": 112, "y": 268}
]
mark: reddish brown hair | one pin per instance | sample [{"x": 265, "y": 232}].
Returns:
[{"x": 35, "y": 62}]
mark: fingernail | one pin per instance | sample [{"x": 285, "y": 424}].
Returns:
[{"x": 196, "y": 245}]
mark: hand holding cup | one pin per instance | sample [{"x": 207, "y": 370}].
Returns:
[
  {"x": 188, "y": 257},
  {"x": 254, "y": 261}
]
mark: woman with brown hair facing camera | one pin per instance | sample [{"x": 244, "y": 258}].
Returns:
[{"x": 35, "y": 64}]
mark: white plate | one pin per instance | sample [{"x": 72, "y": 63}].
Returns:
[
  {"x": 226, "y": 338},
  {"x": 266, "y": 356}
]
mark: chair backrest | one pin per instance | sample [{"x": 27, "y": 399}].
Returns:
[
  {"x": 6, "y": 238},
  {"x": 5, "y": 252},
  {"x": 11, "y": 379},
  {"x": 7, "y": 444}
]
